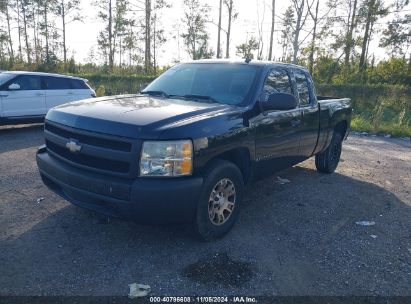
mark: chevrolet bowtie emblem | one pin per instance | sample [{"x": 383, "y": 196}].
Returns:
[{"x": 73, "y": 146}]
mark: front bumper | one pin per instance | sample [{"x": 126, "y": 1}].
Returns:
[{"x": 147, "y": 200}]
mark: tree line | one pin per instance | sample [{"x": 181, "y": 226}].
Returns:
[
  {"x": 39, "y": 38},
  {"x": 332, "y": 39}
]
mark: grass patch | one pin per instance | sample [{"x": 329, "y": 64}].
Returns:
[
  {"x": 362, "y": 125},
  {"x": 378, "y": 109}
]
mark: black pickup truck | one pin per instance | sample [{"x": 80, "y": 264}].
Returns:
[{"x": 185, "y": 147}]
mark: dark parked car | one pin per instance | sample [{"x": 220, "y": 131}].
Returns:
[{"x": 185, "y": 147}]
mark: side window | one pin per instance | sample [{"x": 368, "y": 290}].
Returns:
[
  {"x": 28, "y": 82},
  {"x": 57, "y": 83},
  {"x": 302, "y": 88},
  {"x": 78, "y": 84},
  {"x": 277, "y": 82}
]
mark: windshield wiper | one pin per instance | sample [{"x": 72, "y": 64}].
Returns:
[
  {"x": 155, "y": 93},
  {"x": 194, "y": 96}
]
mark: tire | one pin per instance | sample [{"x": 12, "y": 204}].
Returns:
[
  {"x": 327, "y": 161},
  {"x": 218, "y": 207}
]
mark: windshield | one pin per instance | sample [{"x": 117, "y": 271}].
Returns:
[
  {"x": 4, "y": 77},
  {"x": 222, "y": 83}
]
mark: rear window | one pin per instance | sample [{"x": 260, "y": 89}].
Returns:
[
  {"x": 57, "y": 83},
  {"x": 78, "y": 84},
  {"x": 302, "y": 88},
  {"x": 278, "y": 81}
]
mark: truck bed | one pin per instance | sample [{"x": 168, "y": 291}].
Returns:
[{"x": 332, "y": 110}]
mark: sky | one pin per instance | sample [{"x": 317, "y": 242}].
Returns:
[{"x": 83, "y": 36}]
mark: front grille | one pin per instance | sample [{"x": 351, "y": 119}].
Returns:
[
  {"x": 85, "y": 139},
  {"x": 99, "y": 152},
  {"x": 89, "y": 161}
]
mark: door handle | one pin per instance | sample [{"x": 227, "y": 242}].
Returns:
[
  {"x": 39, "y": 94},
  {"x": 70, "y": 93},
  {"x": 4, "y": 95}
]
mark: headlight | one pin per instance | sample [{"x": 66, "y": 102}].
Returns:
[{"x": 166, "y": 158}]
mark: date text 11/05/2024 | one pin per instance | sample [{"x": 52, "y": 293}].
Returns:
[{"x": 203, "y": 299}]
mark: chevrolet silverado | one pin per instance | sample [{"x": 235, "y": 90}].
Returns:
[{"x": 184, "y": 148}]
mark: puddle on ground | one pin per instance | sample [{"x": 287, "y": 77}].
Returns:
[{"x": 219, "y": 269}]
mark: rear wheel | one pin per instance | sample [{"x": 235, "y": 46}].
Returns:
[
  {"x": 220, "y": 200},
  {"x": 327, "y": 161}
]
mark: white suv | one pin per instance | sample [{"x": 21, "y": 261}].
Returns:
[{"x": 27, "y": 96}]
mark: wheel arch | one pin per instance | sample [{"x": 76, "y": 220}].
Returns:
[
  {"x": 240, "y": 157},
  {"x": 341, "y": 128}
]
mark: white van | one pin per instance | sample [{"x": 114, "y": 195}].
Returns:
[{"x": 26, "y": 97}]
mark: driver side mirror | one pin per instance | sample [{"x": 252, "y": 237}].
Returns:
[
  {"x": 14, "y": 86},
  {"x": 279, "y": 102}
]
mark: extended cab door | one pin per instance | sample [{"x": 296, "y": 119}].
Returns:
[
  {"x": 26, "y": 99},
  {"x": 277, "y": 132},
  {"x": 58, "y": 91},
  {"x": 310, "y": 114}
]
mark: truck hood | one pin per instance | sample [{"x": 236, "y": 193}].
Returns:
[{"x": 133, "y": 116}]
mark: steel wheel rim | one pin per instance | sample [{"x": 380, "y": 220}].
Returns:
[{"x": 221, "y": 203}]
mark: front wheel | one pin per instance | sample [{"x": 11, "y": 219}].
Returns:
[
  {"x": 220, "y": 200},
  {"x": 327, "y": 161}
]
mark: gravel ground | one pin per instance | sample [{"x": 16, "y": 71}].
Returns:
[{"x": 293, "y": 238}]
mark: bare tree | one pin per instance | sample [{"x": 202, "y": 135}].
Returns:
[
  {"x": 105, "y": 39},
  {"x": 69, "y": 11},
  {"x": 301, "y": 14},
  {"x": 196, "y": 36},
  {"x": 316, "y": 24},
  {"x": 110, "y": 35},
  {"x": 146, "y": 16},
  {"x": 114, "y": 15},
  {"x": 34, "y": 9},
  {"x": 396, "y": 37},
  {"x": 287, "y": 32},
  {"x": 46, "y": 25},
  {"x": 4, "y": 9},
  {"x": 314, "y": 16},
  {"x": 25, "y": 4},
  {"x": 147, "y": 38},
  {"x": 232, "y": 15},
  {"x": 351, "y": 25},
  {"x": 260, "y": 25},
  {"x": 17, "y": 8},
  {"x": 219, "y": 30},
  {"x": 158, "y": 33},
  {"x": 374, "y": 9},
  {"x": 270, "y": 52}
]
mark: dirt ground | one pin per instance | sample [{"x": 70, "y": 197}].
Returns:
[{"x": 293, "y": 238}]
